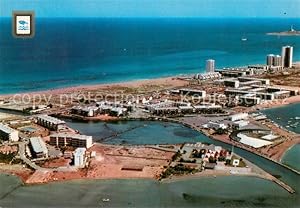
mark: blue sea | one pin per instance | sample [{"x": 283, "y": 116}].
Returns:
[{"x": 78, "y": 51}]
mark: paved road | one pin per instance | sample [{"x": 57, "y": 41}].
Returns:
[{"x": 22, "y": 146}]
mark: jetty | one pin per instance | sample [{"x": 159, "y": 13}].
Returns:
[{"x": 291, "y": 32}]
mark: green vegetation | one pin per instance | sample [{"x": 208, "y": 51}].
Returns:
[
  {"x": 179, "y": 169},
  {"x": 176, "y": 156},
  {"x": 16, "y": 161},
  {"x": 6, "y": 158},
  {"x": 221, "y": 158},
  {"x": 187, "y": 161},
  {"x": 212, "y": 159},
  {"x": 27, "y": 110},
  {"x": 221, "y": 131},
  {"x": 227, "y": 162},
  {"x": 242, "y": 164},
  {"x": 198, "y": 154}
]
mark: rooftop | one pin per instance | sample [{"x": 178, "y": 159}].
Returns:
[
  {"x": 6, "y": 129},
  {"x": 191, "y": 90},
  {"x": 75, "y": 136},
  {"x": 51, "y": 119},
  {"x": 38, "y": 145}
]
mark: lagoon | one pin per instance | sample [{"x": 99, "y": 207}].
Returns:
[{"x": 227, "y": 191}]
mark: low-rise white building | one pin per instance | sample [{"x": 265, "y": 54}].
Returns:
[
  {"x": 239, "y": 124},
  {"x": 50, "y": 122},
  {"x": 7, "y": 133},
  {"x": 239, "y": 116},
  {"x": 80, "y": 157},
  {"x": 38, "y": 147},
  {"x": 215, "y": 125},
  {"x": 206, "y": 76},
  {"x": 74, "y": 140},
  {"x": 193, "y": 92}
]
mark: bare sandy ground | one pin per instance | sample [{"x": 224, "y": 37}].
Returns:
[
  {"x": 109, "y": 163},
  {"x": 159, "y": 82},
  {"x": 4, "y": 116},
  {"x": 18, "y": 170}
]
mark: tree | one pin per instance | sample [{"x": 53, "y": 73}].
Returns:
[
  {"x": 220, "y": 131},
  {"x": 221, "y": 158},
  {"x": 227, "y": 162},
  {"x": 211, "y": 159}
]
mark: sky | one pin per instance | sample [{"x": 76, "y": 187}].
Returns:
[{"x": 154, "y": 8}]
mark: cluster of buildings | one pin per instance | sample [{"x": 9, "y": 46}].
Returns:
[
  {"x": 273, "y": 63},
  {"x": 36, "y": 147},
  {"x": 252, "y": 91},
  {"x": 206, "y": 155},
  {"x": 243, "y": 71},
  {"x": 177, "y": 108},
  {"x": 210, "y": 72},
  {"x": 39, "y": 150},
  {"x": 284, "y": 61},
  {"x": 235, "y": 122},
  {"x": 109, "y": 108}
]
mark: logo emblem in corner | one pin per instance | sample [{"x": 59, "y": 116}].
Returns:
[{"x": 23, "y": 24}]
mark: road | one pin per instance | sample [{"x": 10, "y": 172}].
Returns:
[{"x": 22, "y": 146}]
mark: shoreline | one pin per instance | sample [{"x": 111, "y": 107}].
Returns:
[
  {"x": 287, "y": 151},
  {"x": 126, "y": 83},
  {"x": 256, "y": 172},
  {"x": 91, "y": 87},
  {"x": 199, "y": 175}
]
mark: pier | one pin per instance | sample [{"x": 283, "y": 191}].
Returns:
[{"x": 284, "y": 185}]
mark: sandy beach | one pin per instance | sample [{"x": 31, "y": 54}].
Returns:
[{"x": 161, "y": 83}]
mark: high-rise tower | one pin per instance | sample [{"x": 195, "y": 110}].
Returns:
[
  {"x": 210, "y": 66},
  {"x": 287, "y": 56}
]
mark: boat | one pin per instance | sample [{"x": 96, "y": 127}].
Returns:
[
  {"x": 105, "y": 199},
  {"x": 244, "y": 39},
  {"x": 297, "y": 118}
]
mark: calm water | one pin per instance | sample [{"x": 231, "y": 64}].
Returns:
[
  {"x": 287, "y": 119},
  {"x": 292, "y": 157},
  {"x": 285, "y": 116},
  {"x": 229, "y": 191},
  {"x": 68, "y": 52},
  {"x": 138, "y": 132},
  {"x": 207, "y": 192}
]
